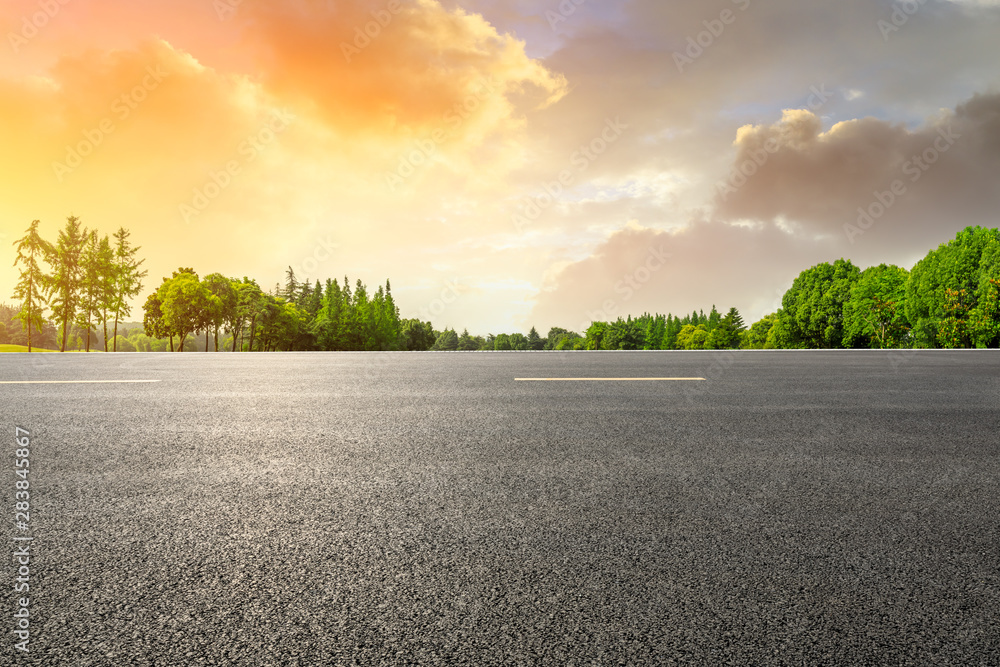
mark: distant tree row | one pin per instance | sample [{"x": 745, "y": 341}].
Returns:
[
  {"x": 88, "y": 281},
  {"x": 647, "y": 332},
  {"x": 950, "y": 299},
  {"x": 300, "y": 316}
]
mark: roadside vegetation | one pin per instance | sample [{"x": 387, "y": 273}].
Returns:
[{"x": 75, "y": 294}]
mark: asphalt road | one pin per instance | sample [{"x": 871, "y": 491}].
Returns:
[{"x": 795, "y": 508}]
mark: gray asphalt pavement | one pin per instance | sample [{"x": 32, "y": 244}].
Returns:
[{"x": 795, "y": 508}]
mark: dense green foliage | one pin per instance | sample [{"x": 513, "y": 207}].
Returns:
[
  {"x": 814, "y": 306},
  {"x": 874, "y": 315},
  {"x": 302, "y": 316},
  {"x": 88, "y": 281},
  {"x": 951, "y": 298}
]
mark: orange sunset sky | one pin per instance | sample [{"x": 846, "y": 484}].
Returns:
[{"x": 537, "y": 163}]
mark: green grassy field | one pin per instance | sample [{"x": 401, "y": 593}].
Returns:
[{"x": 22, "y": 348}]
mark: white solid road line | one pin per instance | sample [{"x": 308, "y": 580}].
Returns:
[
  {"x": 77, "y": 381},
  {"x": 609, "y": 379}
]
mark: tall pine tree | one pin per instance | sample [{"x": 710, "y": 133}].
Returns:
[
  {"x": 31, "y": 288},
  {"x": 108, "y": 284},
  {"x": 128, "y": 277},
  {"x": 90, "y": 285},
  {"x": 67, "y": 274}
]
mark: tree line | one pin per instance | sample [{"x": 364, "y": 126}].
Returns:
[
  {"x": 83, "y": 279},
  {"x": 296, "y": 317},
  {"x": 950, "y": 299},
  {"x": 696, "y": 331}
]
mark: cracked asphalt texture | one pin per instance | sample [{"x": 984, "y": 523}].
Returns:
[{"x": 797, "y": 508}]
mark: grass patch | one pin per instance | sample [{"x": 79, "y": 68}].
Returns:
[{"x": 22, "y": 348}]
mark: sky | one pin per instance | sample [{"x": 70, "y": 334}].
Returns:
[{"x": 505, "y": 163}]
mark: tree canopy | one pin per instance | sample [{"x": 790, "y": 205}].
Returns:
[{"x": 951, "y": 298}]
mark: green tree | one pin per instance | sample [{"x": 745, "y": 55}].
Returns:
[
  {"x": 224, "y": 310},
  {"x": 313, "y": 301},
  {"x": 31, "y": 287},
  {"x": 595, "y": 335},
  {"x": 249, "y": 302},
  {"x": 535, "y": 342},
  {"x": 107, "y": 279},
  {"x": 954, "y": 329},
  {"x": 875, "y": 314},
  {"x": 561, "y": 339},
  {"x": 756, "y": 337},
  {"x": 142, "y": 343},
  {"x": 671, "y": 330},
  {"x": 693, "y": 337},
  {"x": 814, "y": 305},
  {"x": 623, "y": 335},
  {"x": 985, "y": 317},
  {"x": 570, "y": 341},
  {"x": 329, "y": 324},
  {"x": 292, "y": 285},
  {"x": 127, "y": 276},
  {"x": 783, "y": 334},
  {"x": 728, "y": 333},
  {"x": 252, "y": 305},
  {"x": 945, "y": 285},
  {"x": 714, "y": 318},
  {"x": 502, "y": 343},
  {"x": 67, "y": 274},
  {"x": 467, "y": 343},
  {"x": 123, "y": 344},
  {"x": 383, "y": 320},
  {"x": 416, "y": 336},
  {"x": 91, "y": 283},
  {"x": 183, "y": 303},
  {"x": 519, "y": 342},
  {"x": 281, "y": 324},
  {"x": 447, "y": 341},
  {"x": 152, "y": 320},
  {"x": 552, "y": 339}
]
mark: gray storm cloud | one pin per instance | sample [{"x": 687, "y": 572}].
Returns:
[{"x": 867, "y": 175}]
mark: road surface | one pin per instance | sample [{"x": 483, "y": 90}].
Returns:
[{"x": 791, "y": 508}]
